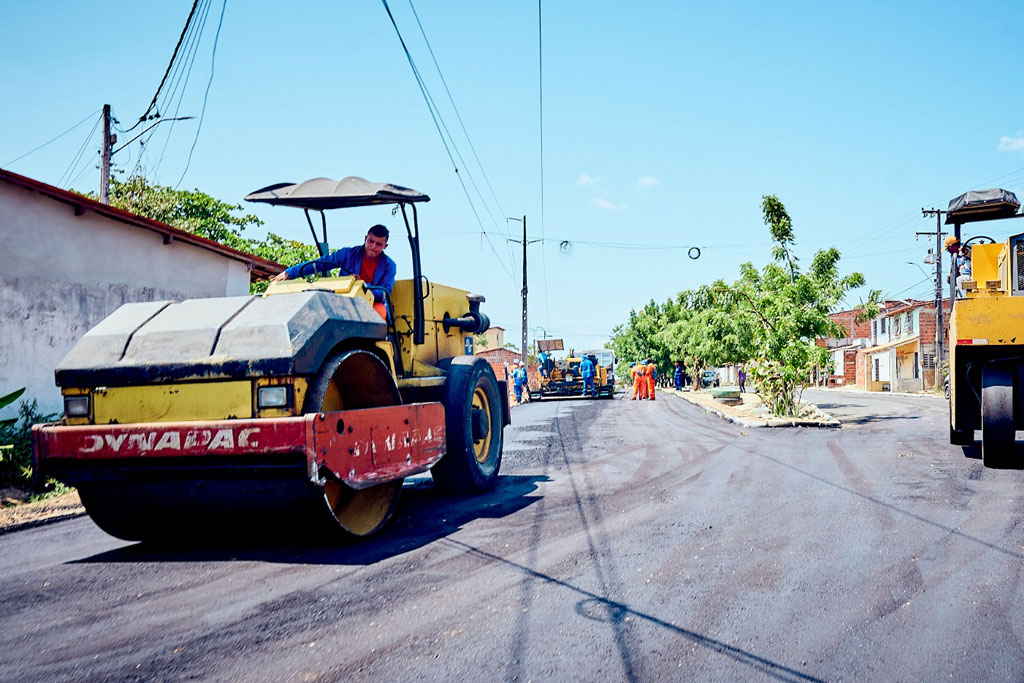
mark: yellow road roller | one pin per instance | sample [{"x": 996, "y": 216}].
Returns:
[
  {"x": 986, "y": 328},
  {"x": 302, "y": 409}
]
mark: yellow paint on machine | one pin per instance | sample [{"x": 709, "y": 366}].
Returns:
[
  {"x": 172, "y": 402},
  {"x": 999, "y": 319}
]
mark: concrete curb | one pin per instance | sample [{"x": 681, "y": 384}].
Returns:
[{"x": 833, "y": 423}]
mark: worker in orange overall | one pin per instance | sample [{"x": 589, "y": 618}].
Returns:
[
  {"x": 640, "y": 383},
  {"x": 652, "y": 375},
  {"x": 632, "y": 378}
]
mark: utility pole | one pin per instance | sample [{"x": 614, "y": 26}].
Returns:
[
  {"x": 524, "y": 242},
  {"x": 938, "y": 288},
  {"x": 105, "y": 158}
]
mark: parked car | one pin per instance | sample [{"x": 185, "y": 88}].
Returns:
[{"x": 709, "y": 378}]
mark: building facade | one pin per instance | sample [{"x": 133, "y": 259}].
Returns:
[
  {"x": 902, "y": 355},
  {"x": 70, "y": 261}
]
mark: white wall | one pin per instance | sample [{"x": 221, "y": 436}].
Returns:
[{"x": 60, "y": 274}]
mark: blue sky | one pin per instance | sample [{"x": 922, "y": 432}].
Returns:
[{"x": 664, "y": 125}]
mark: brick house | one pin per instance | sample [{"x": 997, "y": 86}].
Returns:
[
  {"x": 501, "y": 361},
  {"x": 844, "y": 349},
  {"x": 901, "y": 355}
]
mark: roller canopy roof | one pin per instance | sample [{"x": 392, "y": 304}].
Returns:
[
  {"x": 982, "y": 205},
  {"x": 320, "y": 194}
]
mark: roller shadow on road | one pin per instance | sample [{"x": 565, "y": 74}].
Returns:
[
  {"x": 425, "y": 514},
  {"x": 1015, "y": 462}
]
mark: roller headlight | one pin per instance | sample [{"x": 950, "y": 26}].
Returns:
[
  {"x": 273, "y": 397},
  {"x": 76, "y": 406}
]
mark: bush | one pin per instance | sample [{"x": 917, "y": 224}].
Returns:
[{"x": 16, "y": 462}]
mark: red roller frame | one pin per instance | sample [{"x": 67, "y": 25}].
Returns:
[{"x": 361, "y": 447}]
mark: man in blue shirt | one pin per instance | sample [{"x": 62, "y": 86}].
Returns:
[
  {"x": 519, "y": 381},
  {"x": 587, "y": 373},
  {"x": 367, "y": 262}
]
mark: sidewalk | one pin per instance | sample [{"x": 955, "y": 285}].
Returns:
[
  {"x": 852, "y": 389},
  {"x": 752, "y": 412}
]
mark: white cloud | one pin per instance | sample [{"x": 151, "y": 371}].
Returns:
[
  {"x": 1012, "y": 144},
  {"x": 587, "y": 179},
  {"x": 607, "y": 205},
  {"x": 646, "y": 182}
]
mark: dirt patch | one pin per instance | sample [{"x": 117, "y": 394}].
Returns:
[
  {"x": 751, "y": 412},
  {"x": 17, "y": 512}
]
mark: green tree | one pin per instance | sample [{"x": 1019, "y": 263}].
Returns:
[{"x": 768, "y": 318}]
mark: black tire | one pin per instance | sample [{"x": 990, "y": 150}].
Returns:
[
  {"x": 997, "y": 428},
  {"x": 474, "y": 432}
]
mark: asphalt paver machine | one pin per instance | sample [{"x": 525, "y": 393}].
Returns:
[
  {"x": 986, "y": 330},
  {"x": 563, "y": 379},
  {"x": 301, "y": 409}
]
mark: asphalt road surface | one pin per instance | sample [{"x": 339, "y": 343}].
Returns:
[{"x": 625, "y": 541}]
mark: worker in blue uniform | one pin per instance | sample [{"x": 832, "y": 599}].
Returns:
[{"x": 587, "y": 373}]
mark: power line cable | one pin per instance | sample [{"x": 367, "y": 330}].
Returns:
[
  {"x": 181, "y": 71},
  {"x": 434, "y": 115},
  {"x": 465, "y": 132},
  {"x": 540, "y": 98},
  {"x": 206, "y": 95},
  {"x": 69, "y": 171},
  {"x": 53, "y": 139},
  {"x": 188, "y": 22},
  {"x": 71, "y": 183},
  {"x": 458, "y": 154},
  {"x": 190, "y": 58},
  {"x": 451, "y": 99}
]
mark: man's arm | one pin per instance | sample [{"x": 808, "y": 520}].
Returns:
[{"x": 322, "y": 266}]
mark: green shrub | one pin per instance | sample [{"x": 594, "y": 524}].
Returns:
[{"x": 16, "y": 462}]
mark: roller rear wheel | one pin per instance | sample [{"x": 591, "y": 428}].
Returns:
[
  {"x": 997, "y": 428},
  {"x": 474, "y": 423}
]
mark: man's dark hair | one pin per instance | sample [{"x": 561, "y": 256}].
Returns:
[{"x": 379, "y": 231}]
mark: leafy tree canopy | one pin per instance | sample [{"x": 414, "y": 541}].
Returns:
[{"x": 767, "y": 318}]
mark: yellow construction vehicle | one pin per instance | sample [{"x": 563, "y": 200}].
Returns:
[
  {"x": 300, "y": 409},
  {"x": 986, "y": 329},
  {"x": 562, "y": 378}
]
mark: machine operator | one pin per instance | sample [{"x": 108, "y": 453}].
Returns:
[{"x": 367, "y": 262}]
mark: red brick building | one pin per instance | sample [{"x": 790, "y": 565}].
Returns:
[
  {"x": 902, "y": 355},
  {"x": 501, "y": 361}
]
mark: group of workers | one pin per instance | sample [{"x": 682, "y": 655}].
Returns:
[{"x": 645, "y": 376}]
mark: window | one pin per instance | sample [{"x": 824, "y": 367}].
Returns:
[
  {"x": 876, "y": 370},
  {"x": 910, "y": 322},
  {"x": 928, "y": 361},
  {"x": 874, "y": 330},
  {"x": 896, "y": 326},
  {"x": 881, "y": 327}
]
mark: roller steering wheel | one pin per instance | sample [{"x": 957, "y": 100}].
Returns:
[{"x": 978, "y": 239}]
